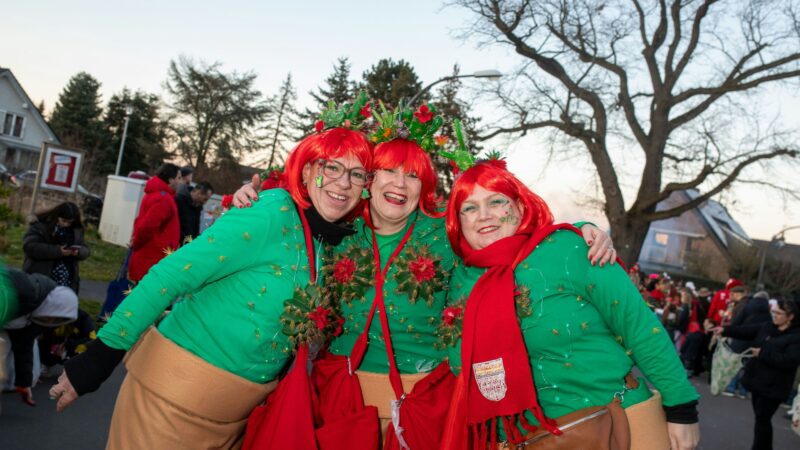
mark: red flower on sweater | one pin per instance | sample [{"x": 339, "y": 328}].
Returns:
[
  {"x": 365, "y": 112},
  {"x": 423, "y": 114},
  {"x": 339, "y": 322},
  {"x": 422, "y": 269},
  {"x": 319, "y": 125},
  {"x": 273, "y": 180},
  {"x": 344, "y": 269},
  {"x": 227, "y": 201},
  {"x": 450, "y": 314},
  {"x": 320, "y": 317}
]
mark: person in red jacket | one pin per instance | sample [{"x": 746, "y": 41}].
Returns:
[
  {"x": 720, "y": 303},
  {"x": 157, "y": 228}
]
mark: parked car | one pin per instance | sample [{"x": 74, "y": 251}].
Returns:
[
  {"x": 91, "y": 205},
  {"x": 26, "y": 178},
  {"x": 7, "y": 178}
]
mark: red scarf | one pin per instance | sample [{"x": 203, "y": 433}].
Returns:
[{"x": 497, "y": 375}]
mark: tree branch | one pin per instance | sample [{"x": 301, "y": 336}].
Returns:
[{"x": 730, "y": 178}]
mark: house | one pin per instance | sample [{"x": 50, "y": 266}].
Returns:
[
  {"x": 22, "y": 127},
  {"x": 703, "y": 242}
]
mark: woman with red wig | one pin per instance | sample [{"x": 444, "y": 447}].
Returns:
[
  {"x": 538, "y": 333},
  {"x": 390, "y": 279},
  {"x": 194, "y": 378}
]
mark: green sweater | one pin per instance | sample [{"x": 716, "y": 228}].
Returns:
[
  {"x": 232, "y": 280},
  {"x": 414, "y": 294},
  {"x": 584, "y": 328},
  {"x": 8, "y": 297}
]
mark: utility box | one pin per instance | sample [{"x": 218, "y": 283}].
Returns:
[{"x": 120, "y": 207}]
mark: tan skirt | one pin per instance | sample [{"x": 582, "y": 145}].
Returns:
[
  {"x": 648, "y": 424},
  {"x": 172, "y": 399},
  {"x": 377, "y": 391}
]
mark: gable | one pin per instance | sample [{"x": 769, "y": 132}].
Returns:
[{"x": 22, "y": 122}]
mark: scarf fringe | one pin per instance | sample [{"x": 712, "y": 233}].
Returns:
[{"x": 484, "y": 434}]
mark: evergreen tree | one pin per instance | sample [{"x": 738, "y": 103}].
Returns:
[
  {"x": 282, "y": 120},
  {"x": 145, "y": 142},
  {"x": 337, "y": 87},
  {"x": 450, "y": 107},
  {"x": 76, "y": 119},
  {"x": 392, "y": 82},
  {"x": 216, "y": 114}
]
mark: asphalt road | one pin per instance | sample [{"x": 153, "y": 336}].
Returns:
[{"x": 726, "y": 423}]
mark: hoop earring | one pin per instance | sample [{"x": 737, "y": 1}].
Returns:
[
  {"x": 318, "y": 181},
  {"x": 364, "y": 193}
]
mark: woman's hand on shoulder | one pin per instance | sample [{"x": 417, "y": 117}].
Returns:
[
  {"x": 683, "y": 436},
  {"x": 601, "y": 248},
  {"x": 247, "y": 193}
]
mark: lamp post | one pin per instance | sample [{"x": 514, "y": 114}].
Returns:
[
  {"x": 778, "y": 240},
  {"x": 128, "y": 112},
  {"x": 491, "y": 74}
]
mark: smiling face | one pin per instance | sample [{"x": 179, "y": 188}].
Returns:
[
  {"x": 394, "y": 195},
  {"x": 487, "y": 217},
  {"x": 337, "y": 197}
]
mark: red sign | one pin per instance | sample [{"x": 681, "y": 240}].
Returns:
[{"x": 61, "y": 169}]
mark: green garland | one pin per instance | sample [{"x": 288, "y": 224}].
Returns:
[
  {"x": 349, "y": 274},
  {"x": 418, "y": 274}
]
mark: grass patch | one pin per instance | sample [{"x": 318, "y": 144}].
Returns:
[{"x": 102, "y": 264}]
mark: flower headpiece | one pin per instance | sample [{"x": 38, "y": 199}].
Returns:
[
  {"x": 419, "y": 126},
  {"x": 460, "y": 158},
  {"x": 347, "y": 116}
]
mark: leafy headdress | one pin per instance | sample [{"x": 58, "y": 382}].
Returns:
[
  {"x": 419, "y": 126},
  {"x": 349, "y": 115}
]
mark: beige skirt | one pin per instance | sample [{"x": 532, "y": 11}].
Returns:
[
  {"x": 648, "y": 424},
  {"x": 377, "y": 391},
  {"x": 172, "y": 399}
]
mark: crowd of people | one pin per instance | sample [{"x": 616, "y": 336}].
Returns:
[
  {"x": 362, "y": 311},
  {"x": 749, "y": 344}
]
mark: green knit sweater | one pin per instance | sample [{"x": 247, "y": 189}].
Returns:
[
  {"x": 414, "y": 293},
  {"x": 232, "y": 281},
  {"x": 584, "y": 328}
]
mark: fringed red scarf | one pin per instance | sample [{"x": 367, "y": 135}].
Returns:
[{"x": 497, "y": 376}]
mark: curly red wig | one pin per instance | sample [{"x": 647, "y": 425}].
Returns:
[
  {"x": 411, "y": 157},
  {"x": 329, "y": 144},
  {"x": 493, "y": 176}
]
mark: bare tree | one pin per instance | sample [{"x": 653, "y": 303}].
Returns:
[
  {"x": 216, "y": 114},
  {"x": 668, "y": 77}
]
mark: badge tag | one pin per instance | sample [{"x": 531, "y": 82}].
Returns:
[{"x": 491, "y": 379}]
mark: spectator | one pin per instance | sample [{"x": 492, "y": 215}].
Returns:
[
  {"x": 52, "y": 305},
  {"x": 719, "y": 304},
  {"x": 186, "y": 180},
  {"x": 691, "y": 316},
  {"x": 746, "y": 311},
  {"x": 156, "y": 230},
  {"x": 190, "y": 208},
  {"x": 54, "y": 245},
  {"x": 770, "y": 373}
]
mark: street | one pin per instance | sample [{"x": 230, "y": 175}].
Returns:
[{"x": 726, "y": 423}]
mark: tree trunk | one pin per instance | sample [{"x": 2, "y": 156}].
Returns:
[{"x": 629, "y": 233}]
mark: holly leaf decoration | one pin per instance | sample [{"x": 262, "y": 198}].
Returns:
[
  {"x": 452, "y": 323},
  {"x": 309, "y": 317},
  {"x": 348, "y": 275}
]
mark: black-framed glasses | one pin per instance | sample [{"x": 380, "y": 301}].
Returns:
[{"x": 335, "y": 170}]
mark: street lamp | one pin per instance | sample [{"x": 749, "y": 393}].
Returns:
[
  {"x": 128, "y": 112},
  {"x": 491, "y": 74},
  {"x": 778, "y": 241}
]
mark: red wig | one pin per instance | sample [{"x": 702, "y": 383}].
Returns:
[
  {"x": 405, "y": 154},
  {"x": 329, "y": 144},
  {"x": 493, "y": 176}
]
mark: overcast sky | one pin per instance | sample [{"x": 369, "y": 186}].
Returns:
[{"x": 130, "y": 45}]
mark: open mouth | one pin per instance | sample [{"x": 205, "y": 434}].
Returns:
[
  {"x": 336, "y": 197},
  {"x": 395, "y": 199},
  {"x": 489, "y": 229}
]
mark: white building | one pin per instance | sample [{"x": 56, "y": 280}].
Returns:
[{"x": 22, "y": 127}]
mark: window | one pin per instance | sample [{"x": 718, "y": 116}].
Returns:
[
  {"x": 661, "y": 239},
  {"x": 12, "y": 124}
]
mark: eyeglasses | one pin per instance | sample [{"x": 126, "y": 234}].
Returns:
[
  {"x": 775, "y": 312},
  {"x": 335, "y": 170}
]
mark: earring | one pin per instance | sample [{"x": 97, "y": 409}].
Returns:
[
  {"x": 364, "y": 193},
  {"x": 318, "y": 181}
]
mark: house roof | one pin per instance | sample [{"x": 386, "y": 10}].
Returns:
[
  {"x": 37, "y": 115},
  {"x": 720, "y": 221}
]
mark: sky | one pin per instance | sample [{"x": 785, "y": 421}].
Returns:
[{"x": 130, "y": 44}]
